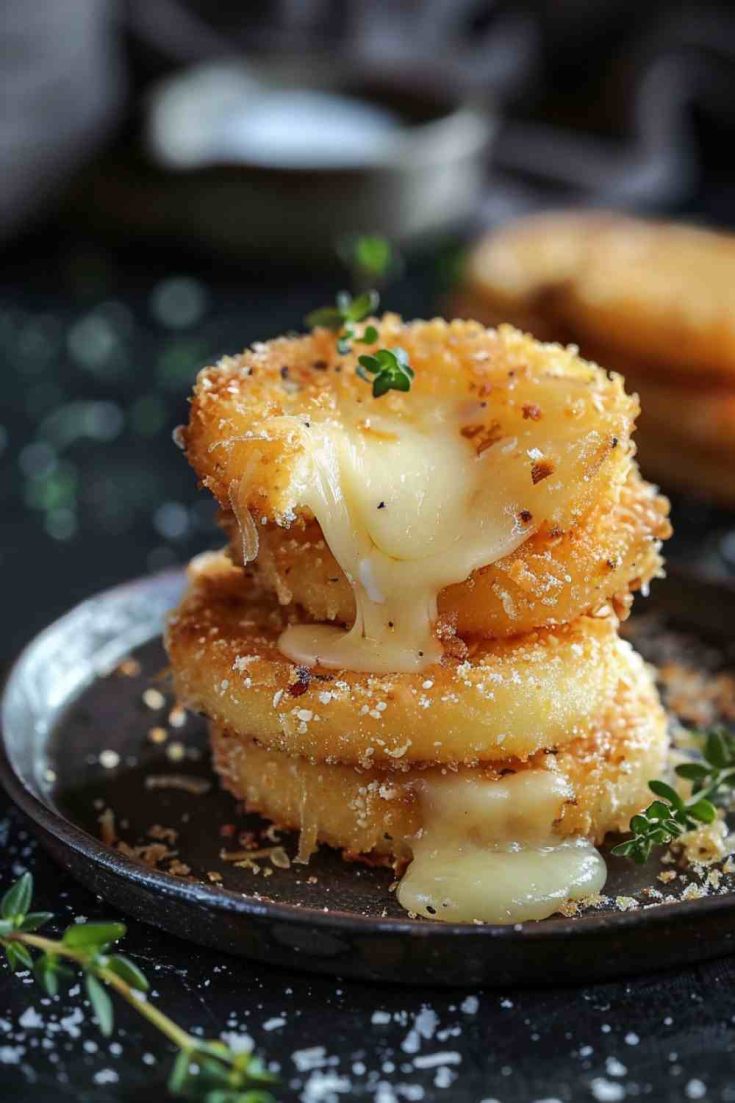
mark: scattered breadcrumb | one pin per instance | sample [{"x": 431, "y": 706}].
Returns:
[
  {"x": 178, "y": 868},
  {"x": 108, "y": 830},
  {"x": 248, "y": 859},
  {"x": 163, "y": 834},
  {"x": 711, "y": 842},
  {"x": 184, "y": 782},
  {"x": 128, "y": 668}
]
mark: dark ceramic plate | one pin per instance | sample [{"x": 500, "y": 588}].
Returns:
[{"x": 79, "y": 757}]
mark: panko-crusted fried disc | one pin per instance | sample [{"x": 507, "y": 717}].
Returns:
[
  {"x": 377, "y": 813},
  {"x": 498, "y": 438},
  {"x": 657, "y": 292},
  {"x": 504, "y": 698},
  {"x": 552, "y": 578},
  {"x": 252, "y": 414}
]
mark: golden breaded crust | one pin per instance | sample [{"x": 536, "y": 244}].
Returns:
[
  {"x": 657, "y": 292},
  {"x": 504, "y": 698},
  {"x": 552, "y": 578},
  {"x": 250, "y": 413},
  {"x": 377, "y": 813}
]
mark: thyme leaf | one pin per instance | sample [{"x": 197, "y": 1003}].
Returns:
[
  {"x": 389, "y": 368},
  {"x": 386, "y": 369},
  {"x": 208, "y": 1071},
  {"x": 671, "y": 816}
]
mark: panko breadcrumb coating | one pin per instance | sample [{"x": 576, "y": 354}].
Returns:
[
  {"x": 249, "y": 412},
  {"x": 551, "y": 579},
  {"x": 592, "y": 527},
  {"x": 474, "y": 543},
  {"x": 504, "y": 698},
  {"x": 376, "y": 813}
]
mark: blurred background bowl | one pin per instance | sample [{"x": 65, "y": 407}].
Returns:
[{"x": 286, "y": 160}]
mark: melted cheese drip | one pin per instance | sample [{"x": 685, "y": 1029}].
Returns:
[
  {"x": 488, "y": 852},
  {"x": 406, "y": 509}
]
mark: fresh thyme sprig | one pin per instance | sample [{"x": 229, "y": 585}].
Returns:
[
  {"x": 386, "y": 369},
  {"x": 208, "y": 1071},
  {"x": 344, "y": 316},
  {"x": 671, "y": 815},
  {"x": 390, "y": 369},
  {"x": 370, "y": 259}
]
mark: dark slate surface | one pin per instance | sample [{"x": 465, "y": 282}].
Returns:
[
  {"x": 663, "y": 1037},
  {"x": 98, "y": 351}
]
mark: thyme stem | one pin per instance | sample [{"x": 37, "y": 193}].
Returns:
[
  {"x": 206, "y": 1070},
  {"x": 149, "y": 1011}
]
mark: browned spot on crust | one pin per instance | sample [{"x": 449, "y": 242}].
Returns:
[
  {"x": 532, "y": 411},
  {"x": 300, "y": 686},
  {"x": 482, "y": 436},
  {"x": 541, "y": 470}
]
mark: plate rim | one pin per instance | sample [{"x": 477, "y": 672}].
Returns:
[{"x": 51, "y": 821}]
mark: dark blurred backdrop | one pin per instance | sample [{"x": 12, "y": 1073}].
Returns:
[{"x": 176, "y": 173}]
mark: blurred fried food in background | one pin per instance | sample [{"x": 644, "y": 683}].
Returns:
[{"x": 653, "y": 300}]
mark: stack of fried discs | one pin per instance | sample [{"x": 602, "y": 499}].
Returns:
[
  {"x": 652, "y": 300},
  {"x": 410, "y": 651}
]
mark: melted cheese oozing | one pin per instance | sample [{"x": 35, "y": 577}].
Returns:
[
  {"x": 406, "y": 508},
  {"x": 488, "y": 852}
]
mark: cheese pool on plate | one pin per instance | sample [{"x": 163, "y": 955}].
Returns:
[{"x": 488, "y": 852}]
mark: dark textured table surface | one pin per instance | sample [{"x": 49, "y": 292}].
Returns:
[
  {"x": 662, "y": 1037},
  {"x": 97, "y": 358}
]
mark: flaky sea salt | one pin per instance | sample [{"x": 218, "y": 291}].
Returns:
[{"x": 606, "y": 1091}]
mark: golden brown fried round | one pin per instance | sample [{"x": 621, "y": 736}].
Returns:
[
  {"x": 377, "y": 813},
  {"x": 660, "y": 293},
  {"x": 251, "y": 415},
  {"x": 552, "y": 578},
  {"x": 499, "y": 699}
]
